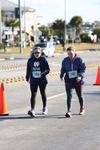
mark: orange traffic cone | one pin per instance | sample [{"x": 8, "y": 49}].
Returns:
[
  {"x": 98, "y": 77},
  {"x": 3, "y": 105}
]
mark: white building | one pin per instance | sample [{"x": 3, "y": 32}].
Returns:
[{"x": 28, "y": 22}]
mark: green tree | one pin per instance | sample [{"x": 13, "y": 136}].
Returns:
[
  {"x": 76, "y": 22},
  {"x": 97, "y": 32},
  {"x": 44, "y": 30},
  {"x": 13, "y": 23},
  {"x": 58, "y": 27},
  {"x": 85, "y": 38}
]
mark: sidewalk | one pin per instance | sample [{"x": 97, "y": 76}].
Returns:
[{"x": 12, "y": 56}]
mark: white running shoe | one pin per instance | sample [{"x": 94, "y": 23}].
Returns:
[
  {"x": 44, "y": 111},
  {"x": 82, "y": 111}
]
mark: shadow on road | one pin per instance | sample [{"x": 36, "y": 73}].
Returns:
[
  {"x": 17, "y": 116},
  {"x": 38, "y": 116},
  {"x": 92, "y": 93}
]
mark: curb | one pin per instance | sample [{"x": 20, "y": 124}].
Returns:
[
  {"x": 12, "y": 67},
  {"x": 10, "y": 58},
  {"x": 22, "y": 78}
]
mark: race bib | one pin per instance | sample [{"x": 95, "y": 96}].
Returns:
[
  {"x": 72, "y": 74},
  {"x": 36, "y": 74}
]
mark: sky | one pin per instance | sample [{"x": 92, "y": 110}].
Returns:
[{"x": 50, "y": 10}]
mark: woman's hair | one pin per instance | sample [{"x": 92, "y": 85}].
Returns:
[
  {"x": 70, "y": 49},
  {"x": 35, "y": 48}
]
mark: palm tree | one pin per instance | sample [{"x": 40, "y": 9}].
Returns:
[
  {"x": 44, "y": 30},
  {"x": 76, "y": 22},
  {"x": 13, "y": 23},
  {"x": 58, "y": 27}
]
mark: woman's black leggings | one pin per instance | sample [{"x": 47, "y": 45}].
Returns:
[
  {"x": 79, "y": 93},
  {"x": 34, "y": 88}
]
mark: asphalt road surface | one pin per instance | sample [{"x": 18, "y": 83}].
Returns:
[{"x": 53, "y": 131}]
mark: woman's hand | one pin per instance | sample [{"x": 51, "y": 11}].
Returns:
[{"x": 78, "y": 79}]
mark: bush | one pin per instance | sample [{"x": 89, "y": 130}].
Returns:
[
  {"x": 1, "y": 46},
  {"x": 85, "y": 38}
]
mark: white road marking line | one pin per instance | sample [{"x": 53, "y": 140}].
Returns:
[
  {"x": 54, "y": 96},
  {"x": 58, "y": 95}
]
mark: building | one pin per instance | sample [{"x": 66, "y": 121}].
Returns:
[
  {"x": 28, "y": 22},
  {"x": 96, "y": 25}
]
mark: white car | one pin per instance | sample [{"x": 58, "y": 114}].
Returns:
[{"x": 47, "y": 51}]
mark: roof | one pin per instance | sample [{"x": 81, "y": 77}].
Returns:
[
  {"x": 8, "y": 5},
  {"x": 5, "y": 4}
]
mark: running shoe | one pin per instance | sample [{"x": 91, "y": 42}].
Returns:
[
  {"x": 44, "y": 111},
  {"x": 68, "y": 115},
  {"x": 31, "y": 113},
  {"x": 82, "y": 111}
]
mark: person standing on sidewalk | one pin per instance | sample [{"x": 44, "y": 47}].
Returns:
[
  {"x": 73, "y": 69},
  {"x": 37, "y": 69}
]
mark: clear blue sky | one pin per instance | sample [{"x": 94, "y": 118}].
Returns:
[{"x": 50, "y": 10}]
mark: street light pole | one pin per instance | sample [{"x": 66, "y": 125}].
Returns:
[
  {"x": 20, "y": 28},
  {"x": 65, "y": 24},
  {"x": 24, "y": 25}
]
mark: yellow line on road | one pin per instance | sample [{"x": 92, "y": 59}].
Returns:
[{"x": 18, "y": 79}]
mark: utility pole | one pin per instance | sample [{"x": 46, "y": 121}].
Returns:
[
  {"x": 20, "y": 28},
  {"x": 24, "y": 25},
  {"x": 65, "y": 24}
]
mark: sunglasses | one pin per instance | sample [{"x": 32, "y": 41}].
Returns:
[{"x": 36, "y": 52}]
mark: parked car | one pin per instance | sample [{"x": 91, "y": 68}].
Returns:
[
  {"x": 77, "y": 40},
  {"x": 46, "y": 51},
  {"x": 56, "y": 41}
]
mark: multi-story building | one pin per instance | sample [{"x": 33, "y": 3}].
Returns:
[
  {"x": 87, "y": 27},
  {"x": 28, "y": 22},
  {"x": 96, "y": 24}
]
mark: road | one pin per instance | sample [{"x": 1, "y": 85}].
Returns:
[{"x": 54, "y": 131}]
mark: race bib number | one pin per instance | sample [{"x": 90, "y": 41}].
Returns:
[
  {"x": 72, "y": 74},
  {"x": 36, "y": 74}
]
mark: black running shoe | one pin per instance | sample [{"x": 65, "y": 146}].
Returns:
[
  {"x": 31, "y": 113},
  {"x": 68, "y": 115}
]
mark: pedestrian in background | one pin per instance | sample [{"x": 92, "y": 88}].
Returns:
[
  {"x": 37, "y": 69},
  {"x": 73, "y": 69},
  {"x": 50, "y": 45}
]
